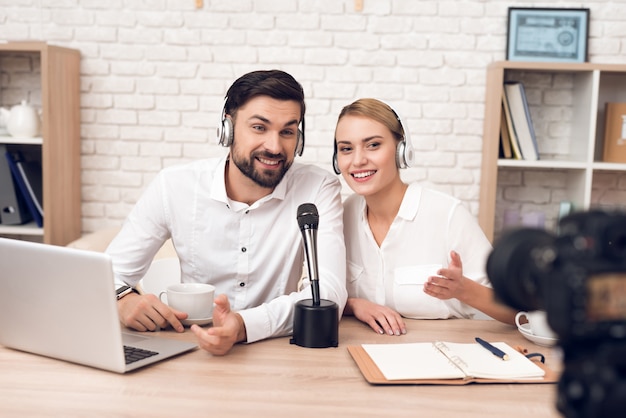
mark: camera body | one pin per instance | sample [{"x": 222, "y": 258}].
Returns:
[{"x": 578, "y": 277}]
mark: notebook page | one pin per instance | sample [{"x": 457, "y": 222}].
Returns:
[
  {"x": 481, "y": 363},
  {"x": 412, "y": 361}
]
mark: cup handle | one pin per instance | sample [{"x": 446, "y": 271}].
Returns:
[
  {"x": 165, "y": 301},
  {"x": 518, "y": 316}
]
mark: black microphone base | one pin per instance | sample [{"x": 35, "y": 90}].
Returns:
[{"x": 316, "y": 326}]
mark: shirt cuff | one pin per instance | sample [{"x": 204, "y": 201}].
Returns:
[{"x": 257, "y": 323}]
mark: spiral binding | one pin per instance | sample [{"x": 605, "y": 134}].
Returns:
[{"x": 453, "y": 359}]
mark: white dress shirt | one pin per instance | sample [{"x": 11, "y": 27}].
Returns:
[
  {"x": 253, "y": 254},
  {"x": 428, "y": 226}
]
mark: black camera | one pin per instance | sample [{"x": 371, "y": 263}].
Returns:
[{"x": 578, "y": 277}]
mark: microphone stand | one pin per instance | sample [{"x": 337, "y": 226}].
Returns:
[{"x": 315, "y": 321}]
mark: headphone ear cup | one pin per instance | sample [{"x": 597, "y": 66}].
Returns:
[
  {"x": 400, "y": 155},
  {"x": 336, "y": 164},
  {"x": 225, "y": 134},
  {"x": 300, "y": 143},
  {"x": 409, "y": 156}
]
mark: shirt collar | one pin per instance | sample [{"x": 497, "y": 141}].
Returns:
[
  {"x": 411, "y": 202},
  {"x": 218, "y": 186},
  {"x": 408, "y": 208}
]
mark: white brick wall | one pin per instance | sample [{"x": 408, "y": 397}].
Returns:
[{"x": 153, "y": 75}]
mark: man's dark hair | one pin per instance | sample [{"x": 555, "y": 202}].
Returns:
[{"x": 273, "y": 83}]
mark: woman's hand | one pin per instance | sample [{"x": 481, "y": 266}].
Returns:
[
  {"x": 450, "y": 283},
  {"x": 380, "y": 318}
]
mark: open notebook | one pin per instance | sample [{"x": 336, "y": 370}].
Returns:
[{"x": 446, "y": 363}]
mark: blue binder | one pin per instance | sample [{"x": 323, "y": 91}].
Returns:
[
  {"x": 23, "y": 185},
  {"x": 13, "y": 208}
]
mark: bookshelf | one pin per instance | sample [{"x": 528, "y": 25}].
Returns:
[
  {"x": 567, "y": 103},
  {"x": 48, "y": 77}
]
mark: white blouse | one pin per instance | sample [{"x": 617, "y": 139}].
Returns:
[{"x": 428, "y": 226}]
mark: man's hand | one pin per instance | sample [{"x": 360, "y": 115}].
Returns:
[
  {"x": 148, "y": 313},
  {"x": 228, "y": 329}
]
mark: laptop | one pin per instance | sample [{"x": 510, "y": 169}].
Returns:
[{"x": 60, "y": 302}]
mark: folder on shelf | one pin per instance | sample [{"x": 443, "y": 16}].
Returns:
[
  {"x": 27, "y": 176},
  {"x": 446, "y": 363},
  {"x": 31, "y": 173},
  {"x": 615, "y": 133},
  {"x": 515, "y": 97},
  {"x": 13, "y": 209}
]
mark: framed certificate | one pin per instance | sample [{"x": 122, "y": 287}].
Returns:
[{"x": 551, "y": 35}]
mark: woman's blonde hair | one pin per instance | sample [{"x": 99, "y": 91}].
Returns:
[{"x": 377, "y": 110}]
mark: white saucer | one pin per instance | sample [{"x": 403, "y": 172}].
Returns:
[
  {"x": 544, "y": 341},
  {"x": 202, "y": 321}
]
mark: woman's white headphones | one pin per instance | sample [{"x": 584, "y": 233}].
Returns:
[
  {"x": 225, "y": 132},
  {"x": 405, "y": 153}
]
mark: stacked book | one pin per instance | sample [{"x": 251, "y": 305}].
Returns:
[{"x": 517, "y": 134}]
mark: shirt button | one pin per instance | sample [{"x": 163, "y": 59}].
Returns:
[
  {"x": 242, "y": 284},
  {"x": 247, "y": 212},
  {"x": 244, "y": 249}
]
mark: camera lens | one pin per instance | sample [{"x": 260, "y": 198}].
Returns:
[
  {"x": 521, "y": 258},
  {"x": 616, "y": 242}
]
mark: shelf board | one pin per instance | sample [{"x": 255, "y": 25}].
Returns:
[
  {"x": 5, "y": 139},
  {"x": 609, "y": 166},
  {"x": 557, "y": 66},
  {"x": 29, "y": 228},
  {"x": 543, "y": 164}
]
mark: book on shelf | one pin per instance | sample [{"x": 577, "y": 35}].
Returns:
[
  {"x": 446, "y": 363},
  {"x": 515, "y": 97},
  {"x": 505, "y": 138},
  {"x": 27, "y": 176},
  {"x": 566, "y": 208},
  {"x": 615, "y": 133},
  {"x": 510, "y": 129},
  {"x": 13, "y": 209}
]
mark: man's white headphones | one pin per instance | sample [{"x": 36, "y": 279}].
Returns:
[
  {"x": 405, "y": 153},
  {"x": 225, "y": 131}
]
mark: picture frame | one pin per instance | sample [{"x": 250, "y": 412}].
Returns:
[{"x": 547, "y": 34}]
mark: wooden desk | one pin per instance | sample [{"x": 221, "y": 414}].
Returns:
[{"x": 270, "y": 379}]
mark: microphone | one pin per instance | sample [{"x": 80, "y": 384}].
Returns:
[
  {"x": 308, "y": 220},
  {"x": 315, "y": 321}
]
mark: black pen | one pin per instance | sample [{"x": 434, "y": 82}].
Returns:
[{"x": 493, "y": 350}]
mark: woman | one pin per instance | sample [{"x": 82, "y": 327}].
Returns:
[{"x": 404, "y": 242}]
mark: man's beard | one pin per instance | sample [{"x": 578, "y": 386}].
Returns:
[{"x": 268, "y": 179}]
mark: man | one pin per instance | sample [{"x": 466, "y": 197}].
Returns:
[{"x": 233, "y": 222}]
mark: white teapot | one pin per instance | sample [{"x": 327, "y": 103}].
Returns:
[{"x": 22, "y": 120}]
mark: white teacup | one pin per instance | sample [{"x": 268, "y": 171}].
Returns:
[
  {"x": 537, "y": 322},
  {"x": 196, "y": 299}
]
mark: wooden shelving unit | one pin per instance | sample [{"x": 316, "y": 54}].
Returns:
[
  {"x": 567, "y": 103},
  {"x": 59, "y": 86}
]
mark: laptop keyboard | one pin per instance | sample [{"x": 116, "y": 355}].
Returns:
[{"x": 134, "y": 354}]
